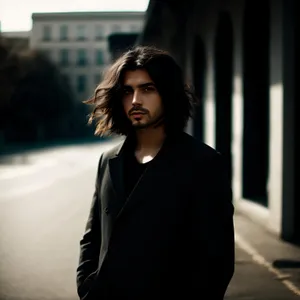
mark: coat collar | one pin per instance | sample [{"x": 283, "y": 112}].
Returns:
[
  {"x": 121, "y": 148},
  {"x": 130, "y": 140},
  {"x": 116, "y": 170}
]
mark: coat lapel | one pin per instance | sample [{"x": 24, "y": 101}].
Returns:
[
  {"x": 116, "y": 168},
  {"x": 149, "y": 179},
  {"x": 162, "y": 164},
  {"x": 116, "y": 171}
]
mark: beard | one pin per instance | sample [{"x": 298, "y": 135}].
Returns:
[{"x": 155, "y": 122}]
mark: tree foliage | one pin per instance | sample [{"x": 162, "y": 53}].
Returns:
[{"x": 36, "y": 102}]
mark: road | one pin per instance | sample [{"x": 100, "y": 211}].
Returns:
[{"x": 44, "y": 204}]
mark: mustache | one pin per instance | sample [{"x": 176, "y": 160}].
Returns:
[{"x": 138, "y": 110}]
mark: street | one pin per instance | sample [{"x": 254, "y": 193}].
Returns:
[
  {"x": 43, "y": 209},
  {"x": 44, "y": 203}
]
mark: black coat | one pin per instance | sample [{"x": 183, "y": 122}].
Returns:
[{"x": 174, "y": 236}]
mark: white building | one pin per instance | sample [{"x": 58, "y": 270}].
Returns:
[
  {"x": 78, "y": 42},
  {"x": 15, "y": 34}
]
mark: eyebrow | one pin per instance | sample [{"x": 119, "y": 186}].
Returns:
[{"x": 142, "y": 85}]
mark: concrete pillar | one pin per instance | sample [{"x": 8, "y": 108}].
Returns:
[
  {"x": 237, "y": 108},
  {"x": 209, "y": 100},
  {"x": 276, "y": 118}
]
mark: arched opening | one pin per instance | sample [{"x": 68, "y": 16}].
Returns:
[
  {"x": 199, "y": 84},
  {"x": 256, "y": 101},
  {"x": 290, "y": 189},
  {"x": 223, "y": 52},
  {"x": 296, "y": 98}
]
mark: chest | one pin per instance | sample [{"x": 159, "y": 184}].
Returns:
[{"x": 154, "y": 189}]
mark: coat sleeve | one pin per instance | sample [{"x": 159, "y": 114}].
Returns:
[
  {"x": 90, "y": 245},
  {"x": 213, "y": 243}
]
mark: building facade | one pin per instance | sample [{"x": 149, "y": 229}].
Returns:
[
  {"x": 240, "y": 55},
  {"x": 78, "y": 43},
  {"x": 16, "y": 40}
]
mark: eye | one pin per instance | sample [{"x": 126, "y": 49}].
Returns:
[
  {"x": 126, "y": 91},
  {"x": 148, "y": 89}
]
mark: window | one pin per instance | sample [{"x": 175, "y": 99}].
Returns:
[
  {"x": 81, "y": 57},
  {"x": 64, "y": 57},
  {"x": 47, "y": 33},
  {"x": 63, "y": 33},
  {"x": 81, "y": 83},
  {"x": 99, "y": 57},
  {"x": 80, "y": 32},
  {"x": 99, "y": 32},
  {"x": 116, "y": 28}
]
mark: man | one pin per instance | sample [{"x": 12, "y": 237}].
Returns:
[{"x": 161, "y": 220}]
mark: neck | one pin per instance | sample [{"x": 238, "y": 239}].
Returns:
[{"x": 150, "y": 138}]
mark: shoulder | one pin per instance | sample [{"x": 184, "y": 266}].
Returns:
[
  {"x": 198, "y": 150},
  {"x": 105, "y": 156},
  {"x": 201, "y": 157},
  {"x": 206, "y": 162},
  {"x": 112, "y": 151}
]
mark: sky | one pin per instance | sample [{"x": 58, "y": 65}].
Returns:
[{"x": 16, "y": 16}]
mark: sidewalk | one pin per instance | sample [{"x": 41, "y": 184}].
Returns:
[{"x": 267, "y": 268}]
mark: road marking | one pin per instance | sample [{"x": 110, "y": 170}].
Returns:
[{"x": 259, "y": 259}]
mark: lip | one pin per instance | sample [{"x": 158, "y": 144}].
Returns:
[{"x": 137, "y": 114}]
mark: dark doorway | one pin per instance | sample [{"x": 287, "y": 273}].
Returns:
[
  {"x": 256, "y": 101},
  {"x": 296, "y": 98},
  {"x": 290, "y": 188},
  {"x": 223, "y": 75},
  {"x": 199, "y": 84}
]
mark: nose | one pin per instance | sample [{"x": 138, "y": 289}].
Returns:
[{"x": 136, "y": 99}]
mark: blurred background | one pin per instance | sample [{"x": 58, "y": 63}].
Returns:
[
  {"x": 49, "y": 69},
  {"x": 241, "y": 58}
]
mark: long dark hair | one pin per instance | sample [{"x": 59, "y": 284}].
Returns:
[{"x": 177, "y": 97}]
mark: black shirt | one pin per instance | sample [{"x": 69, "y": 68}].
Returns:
[{"x": 133, "y": 170}]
